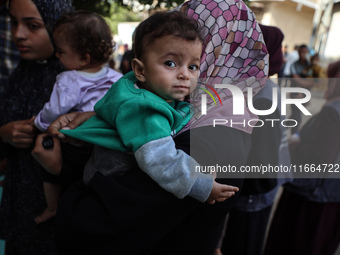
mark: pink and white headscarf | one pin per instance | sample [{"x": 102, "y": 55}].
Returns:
[{"x": 233, "y": 50}]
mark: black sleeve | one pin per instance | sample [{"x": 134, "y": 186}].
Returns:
[
  {"x": 264, "y": 150},
  {"x": 4, "y": 150},
  {"x": 320, "y": 139}
]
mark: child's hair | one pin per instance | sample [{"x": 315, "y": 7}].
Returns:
[
  {"x": 162, "y": 24},
  {"x": 87, "y": 33},
  {"x": 315, "y": 57}
]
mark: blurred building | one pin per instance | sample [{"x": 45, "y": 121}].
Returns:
[{"x": 312, "y": 22}]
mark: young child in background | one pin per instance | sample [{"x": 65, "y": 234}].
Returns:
[
  {"x": 144, "y": 108},
  {"x": 83, "y": 45},
  {"x": 317, "y": 70}
]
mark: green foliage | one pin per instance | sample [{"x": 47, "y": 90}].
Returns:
[
  {"x": 113, "y": 12},
  {"x": 168, "y": 3},
  {"x": 102, "y": 7},
  {"x": 121, "y": 14},
  {"x": 116, "y": 11}
]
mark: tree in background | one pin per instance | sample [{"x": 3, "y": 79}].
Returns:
[
  {"x": 121, "y": 14},
  {"x": 103, "y": 7}
]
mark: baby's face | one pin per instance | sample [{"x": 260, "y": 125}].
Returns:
[
  {"x": 169, "y": 65},
  {"x": 70, "y": 59}
]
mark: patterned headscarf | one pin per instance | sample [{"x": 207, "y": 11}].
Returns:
[{"x": 233, "y": 53}]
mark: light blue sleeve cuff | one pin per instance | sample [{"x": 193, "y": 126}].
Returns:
[
  {"x": 202, "y": 187},
  {"x": 173, "y": 169}
]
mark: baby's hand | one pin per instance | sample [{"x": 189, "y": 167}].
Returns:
[{"x": 221, "y": 192}]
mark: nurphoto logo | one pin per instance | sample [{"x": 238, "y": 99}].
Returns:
[{"x": 239, "y": 102}]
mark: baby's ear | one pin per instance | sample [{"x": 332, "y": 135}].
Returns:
[
  {"x": 138, "y": 69},
  {"x": 85, "y": 60}
]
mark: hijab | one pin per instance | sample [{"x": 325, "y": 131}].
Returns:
[
  {"x": 273, "y": 38},
  {"x": 234, "y": 52},
  {"x": 333, "y": 73}
]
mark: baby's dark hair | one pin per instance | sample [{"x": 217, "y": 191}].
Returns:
[
  {"x": 162, "y": 24},
  {"x": 87, "y": 33}
]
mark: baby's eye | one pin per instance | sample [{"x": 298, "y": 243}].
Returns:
[
  {"x": 193, "y": 67},
  {"x": 170, "y": 63}
]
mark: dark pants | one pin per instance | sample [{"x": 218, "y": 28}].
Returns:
[
  {"x": 245, "y": 232},
  {"x": 303, "y": 227}
]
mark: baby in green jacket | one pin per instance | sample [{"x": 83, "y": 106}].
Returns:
[{"x": 142, "y": 110}]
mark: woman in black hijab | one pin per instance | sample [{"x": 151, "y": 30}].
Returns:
[{"x": 29, "y": 88}]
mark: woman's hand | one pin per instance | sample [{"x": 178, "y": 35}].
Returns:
[
  {"x": 19, "y": 134},
  {"x": 68, "y": 121},
  {"x": 50, "y": 160}
]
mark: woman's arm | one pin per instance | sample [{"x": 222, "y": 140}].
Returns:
[
  {"x": 319, "y": 143},
  {"x": 63, "y": 160}
]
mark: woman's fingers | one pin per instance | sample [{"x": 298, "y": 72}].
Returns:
[
  {"x": 19, "y": 134},
  {"x": 60, "y": 123},
  {"x": 79, "y": 119},
  {"x": 68, "y": 121}
]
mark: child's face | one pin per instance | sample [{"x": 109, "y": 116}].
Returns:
[
  {"x": 315, "y": 60},
  {"x": 70, "y": 59},
  {"x": 29, "y": 32},
  {"x": 169, "y": 64}
]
